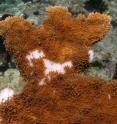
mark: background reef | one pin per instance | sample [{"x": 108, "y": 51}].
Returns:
[{"x": 105, "y": 59}]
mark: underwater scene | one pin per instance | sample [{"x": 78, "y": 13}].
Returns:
[{"x": 58, "y": 61}]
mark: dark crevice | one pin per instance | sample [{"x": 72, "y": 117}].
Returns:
[
  {"x": 115, "y": 74},
  {"x": 96, "y": 5},
  {"x": 5, "y": 57}
]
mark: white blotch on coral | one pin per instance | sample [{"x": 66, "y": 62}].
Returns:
[
  {"x": 6, "y": 94},
  {"x": 36, "y": 54},
  {"x": 51, "y": 66},
  {"x": 0, "y": 120},
  {"x": 48, "y": 77},
  {"x": 42, "y": 82},
  {"x": 109, "y": 96},
  {"x": 91, "y": 56},
  {"x": 56, "y": 67}
]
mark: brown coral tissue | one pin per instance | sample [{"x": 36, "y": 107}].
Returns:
[{"x": 50, "y": 58}]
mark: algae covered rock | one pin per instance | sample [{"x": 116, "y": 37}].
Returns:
[{"x": 12, "y": 79}]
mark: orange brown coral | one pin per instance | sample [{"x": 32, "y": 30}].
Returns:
[{"x": 67, "y": 98}]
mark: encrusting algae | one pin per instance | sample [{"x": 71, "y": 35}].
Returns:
[{"x": 50, "y": 58}]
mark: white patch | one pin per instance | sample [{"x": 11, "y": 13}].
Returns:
[
  {"x": 50, "y": 66},
  {"x": 42, "y": 82},
  {"x": 35, "y": 55},
  {"x": 56, "y": 67},
  {"x": 91, "y": 56},
  {"x": 109, "y": 96},
  {"x": 48, "y": 77},
  {"x": 0, "y": 120},
  {"x": 6, "y": 94}
]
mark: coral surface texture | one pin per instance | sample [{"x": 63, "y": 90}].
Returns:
[{"x": 51, "y": 59}]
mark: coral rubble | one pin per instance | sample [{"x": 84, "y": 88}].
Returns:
[{"x": 50, "y": 58}]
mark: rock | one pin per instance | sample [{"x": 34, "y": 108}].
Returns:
[
  {"x": 13, "y": 75},
  {"x": 106, "y": 51},
  {"x": 12, "y": 79}
]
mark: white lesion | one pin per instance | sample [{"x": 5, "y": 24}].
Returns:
[
  {"x": 109, "y": 96},
  {"x": 0, "y": 120},
  {"x": 50, "y": 66},
  {"x": 56, "y": 67},
  {"x": 91, "y": 56},
  {"x": 42, "y": 82},
  {"x": 36, "y": 54},
  {"x": 6, "y": 94}
]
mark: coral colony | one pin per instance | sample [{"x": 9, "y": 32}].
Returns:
[{"x": 50, "y": 58}]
